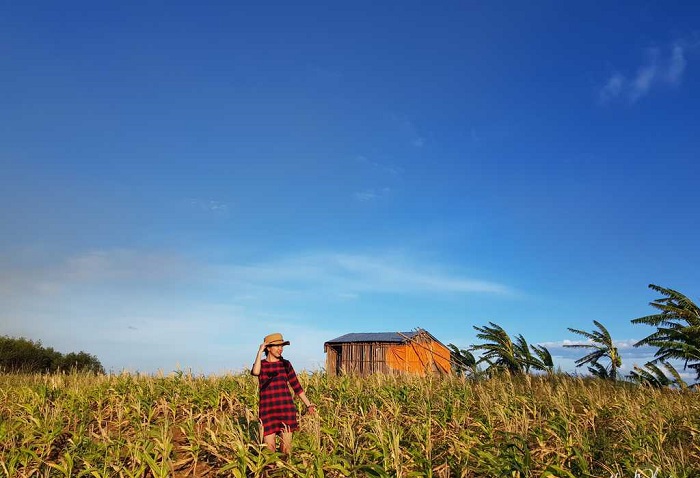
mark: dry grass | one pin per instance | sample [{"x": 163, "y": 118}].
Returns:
[{"x": 183, "y": 425}]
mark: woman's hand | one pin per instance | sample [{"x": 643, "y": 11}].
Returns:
[{"x": 255, "y": 369}]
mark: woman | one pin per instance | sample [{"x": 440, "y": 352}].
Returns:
[{"x": 277, "y": 413}]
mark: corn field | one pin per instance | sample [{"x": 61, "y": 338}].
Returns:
[{"x": 182, "y": 425}]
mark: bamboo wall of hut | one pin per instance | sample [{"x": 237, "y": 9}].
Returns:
[{"x": 363, "y": 354}]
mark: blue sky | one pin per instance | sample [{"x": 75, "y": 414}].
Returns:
[{"x": 180, "y": 179}]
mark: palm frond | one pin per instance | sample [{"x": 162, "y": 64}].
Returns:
[{"x": 678, "y": 328}]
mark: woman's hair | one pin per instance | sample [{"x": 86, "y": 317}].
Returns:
[{"x": 267, "y": 350}]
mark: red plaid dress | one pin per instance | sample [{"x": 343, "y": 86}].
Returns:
[{"x": 276, "y": 408}]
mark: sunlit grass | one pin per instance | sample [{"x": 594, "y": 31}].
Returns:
[{"x": 185, "y": 425}]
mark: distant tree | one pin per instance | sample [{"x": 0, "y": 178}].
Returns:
[
  {"x": 52, "y": 359},
  {"x": 544, "y": 358},
  {"x": 600, "y": 371},
  {"x": 523, "y": 353},
  {"x": 499, "y": 350},
  {"x": 24, "y": 355},
  {"x": 678, "y": 329},
  {"x": 651, "y": 374},
  {"x": 541, "y": 359},
  {"x": 602, "y": 347},
  {"x": 463, "y": 361},
  {"x": 81, "y": 361}
]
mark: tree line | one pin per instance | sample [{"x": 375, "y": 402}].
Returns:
[
  {"x": 677, "y": 337},
  {"x": 28, "y": 356}
]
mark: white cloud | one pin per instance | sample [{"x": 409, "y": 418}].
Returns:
[
  {"x": 660, "y": 69},
  {"x": 625, "y": 347},
  {"x": 646, "y": 75},
  {"x": 350, "y": 275},
  {"x": 209, "y": 205},
  {"x": 387, "y": 173},
  {"x": 384, "y": 168},
  {"x": 372, "y": 194},
  {"x": 140, "y": 310},
  {"x": 122, "y": 264},
  {"x": 408, "y": 130},
  {"x": 365, "y": 196},
  {"x": 632, "y": 356},
  {"x": 677, "y": 65},
  {"x": 613, "y": 87}
]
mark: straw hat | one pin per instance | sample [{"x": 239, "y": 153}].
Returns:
[{"x": 275, "y": 339}]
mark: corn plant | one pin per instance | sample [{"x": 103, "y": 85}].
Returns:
[{"x": 181, "y": 425}]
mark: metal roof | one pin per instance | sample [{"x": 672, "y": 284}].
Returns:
[{"x": 374, "y": 337}]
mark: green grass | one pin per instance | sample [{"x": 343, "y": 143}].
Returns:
[{"x": 184, "y": 425}]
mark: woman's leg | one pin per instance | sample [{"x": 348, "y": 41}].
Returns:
[{"x": 269, "y": 441}]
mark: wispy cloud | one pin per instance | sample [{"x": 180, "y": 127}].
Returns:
[
  {"x": 387, "y": 172},
  {"x": 662, "y": 68},
  {"x": 677, "y": 66},
  {"x": 410, "y": 131},
  {"x": 143, "y": 310},
  {"x": 92, "y": 268},
  {"x": 379, "y": 166},
  {"x": 613, "y": 88},
  {"x": 631, "y": 356},
  {"x": 625, "y": 346},
  {"x": 122, "y": 264},
  {"x": 351, "y": 275},
  {"x": 209, "y": 205},
  {"x": 317, "y": 273},
  {"x": 371, "y": 194}
]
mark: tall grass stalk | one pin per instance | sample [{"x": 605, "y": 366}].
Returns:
[{"x": 181, "y": 425}]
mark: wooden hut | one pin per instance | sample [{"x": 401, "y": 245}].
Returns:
[{"x": 416, "y": 352}]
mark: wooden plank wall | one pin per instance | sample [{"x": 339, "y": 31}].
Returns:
[
  {"x": 365, "y": 358},
  {"x": 331, "y": 359},
  {"x": 358, "y": 358}
]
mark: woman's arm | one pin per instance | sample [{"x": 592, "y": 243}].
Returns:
[
  {"x": 296, "y": 386},
  {"x": 255, "y": 370},
  {"x": 310, "y": 406}
]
